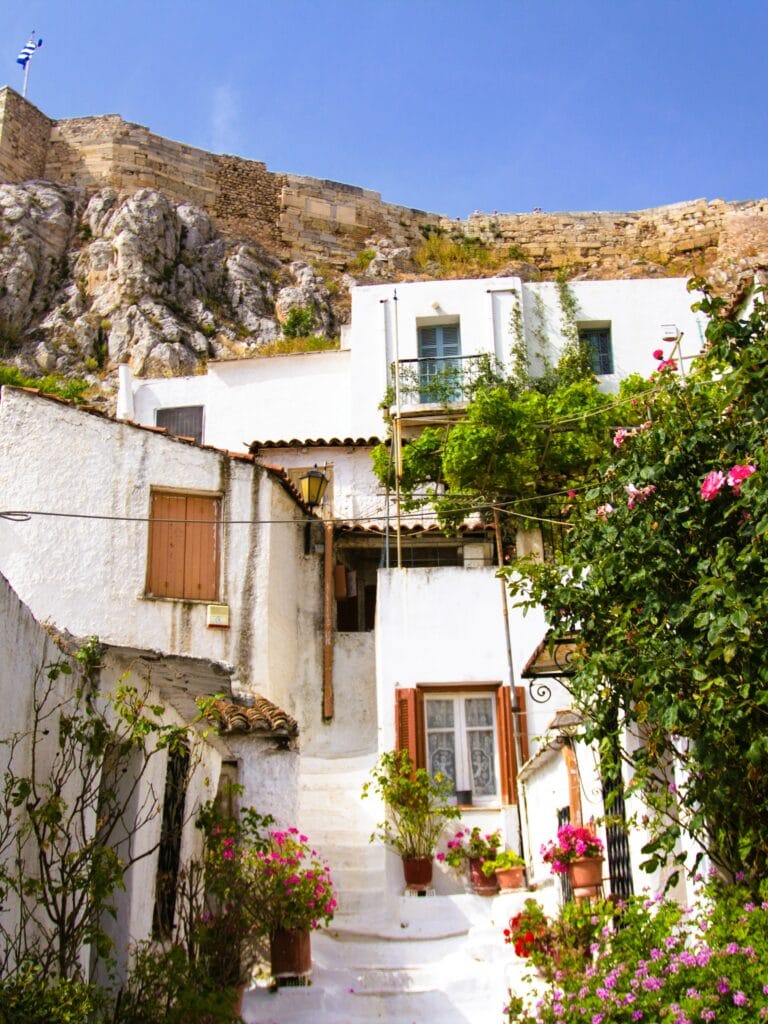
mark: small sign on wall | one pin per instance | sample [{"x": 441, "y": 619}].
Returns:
[{"x": 218, "y": 616}]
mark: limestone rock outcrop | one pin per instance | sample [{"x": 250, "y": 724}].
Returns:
[{"x": 89, "y": 281}]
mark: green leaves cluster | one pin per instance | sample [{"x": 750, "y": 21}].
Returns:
[{"x": 668, "y": 593}]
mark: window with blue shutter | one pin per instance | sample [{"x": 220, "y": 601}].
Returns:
[{"x": 439, "y": 365}]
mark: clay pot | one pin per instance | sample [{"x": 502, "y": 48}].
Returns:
[
  {"x": 585, "y": 872},
  {"x": 417, "y": 870},
  {"x": 482, "y": 886},
  {"x": 510, "y": 878},
  {"x": 290, "y": 954}
]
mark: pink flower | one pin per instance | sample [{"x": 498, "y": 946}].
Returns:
[
  {"x": 620, "y": 437},
  {"x": 666, "y": 364},
  {"x": 603, "y": 511},
  {"x": 441, "y": 857},
  {"x": 711, "y": 484},
  {"x": 638, "y": 494},
  {"x": 658, "y": 354},
  {"x": 737, "y": 475}
]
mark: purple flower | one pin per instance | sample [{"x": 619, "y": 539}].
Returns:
[{"x": 739, "y": 998}]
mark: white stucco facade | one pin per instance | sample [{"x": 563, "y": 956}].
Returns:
[{"x": 337, "y": 393}]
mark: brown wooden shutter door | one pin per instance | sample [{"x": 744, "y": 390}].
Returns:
[
  {"x": 201, "y": 556},
  {"x": 166, "y": 555},
  {"x": 408, "y": 714},
  {"x": 506, "y": 745}
]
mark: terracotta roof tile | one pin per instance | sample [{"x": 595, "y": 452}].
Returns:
[
  {"x": 318, "y": 442},
  {"x": 264, "y": 718}
]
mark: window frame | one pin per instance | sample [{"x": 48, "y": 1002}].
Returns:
[
  {"x": 197, "y": 437},
  {"x": 175, "y": 550},
  {"x": 598, "y": 356},
  {"x": 460, "y": 730}
]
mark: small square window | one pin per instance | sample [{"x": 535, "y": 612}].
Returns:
[
  {"x": 182, "y": 421},
  {"x": 598, "y": 343}
]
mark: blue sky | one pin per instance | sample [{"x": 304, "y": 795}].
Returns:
[{"x": 449, "y": 106}]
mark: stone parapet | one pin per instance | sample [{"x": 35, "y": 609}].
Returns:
[{"x": 24, "y": 138}]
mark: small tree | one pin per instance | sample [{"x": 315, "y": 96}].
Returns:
[{"x": 71, "y": 802}]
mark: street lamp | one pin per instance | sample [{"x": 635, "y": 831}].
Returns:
[{"x": 313, "y": 485}]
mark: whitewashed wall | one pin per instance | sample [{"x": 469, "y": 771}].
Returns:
[
  {"x": 337, "y": 394},
  {"x": 88, "y": 575}
]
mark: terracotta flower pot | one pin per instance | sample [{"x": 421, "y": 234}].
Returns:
[
  {"x": 510, "y": 878},
  {"x": 290, "y": 954},
  {"x": 417, "y": 870},
  {"x": 483, "y": 886},
  {"x": 585, "y": 872}
]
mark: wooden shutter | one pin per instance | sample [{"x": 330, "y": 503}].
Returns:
[
  {"x": 183, "y": 557},
  {"x": 506, "y": 746},
  {"x": 409, "y": 733},
  {"x": 507, "y": 722}
]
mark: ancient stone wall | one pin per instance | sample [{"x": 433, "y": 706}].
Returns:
[
  {"x": 296, "y": 216},
  {"x": 24, "y": 133}
]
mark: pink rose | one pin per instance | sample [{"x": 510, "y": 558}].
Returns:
[
  {"x": 619, "y": 437},
  {"x": 711, "y": 484},
  {"x": 603, "y": 511},
  {"x": 658, "y": 354},
  {"x": 737, "y": 475}
]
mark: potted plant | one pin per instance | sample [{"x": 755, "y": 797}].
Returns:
[
  {"x": 577, "y": 852},
  {"x": 268, "y": 884},
  {"x": 509, "y": 869},
  {"x": 468, "y": 851},
  {"x": 418, "y": 806}
]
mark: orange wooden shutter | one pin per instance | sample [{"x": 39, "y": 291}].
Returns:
[
  {"x": 506, "y": 745},
  {"x": 408, "y": 714},
  {"x": 166, "y": 545},
  {"x": 201, "y": 553}
]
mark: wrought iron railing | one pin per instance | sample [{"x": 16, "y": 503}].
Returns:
[{"x": 441, "y": 380}]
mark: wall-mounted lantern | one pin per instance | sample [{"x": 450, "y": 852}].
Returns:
[{"x": 313, "y": 486}]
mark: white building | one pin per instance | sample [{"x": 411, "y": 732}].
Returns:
[{"x": 311, "y": 613}]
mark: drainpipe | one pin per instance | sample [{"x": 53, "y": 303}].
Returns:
[
  {"x": 328, "y": 621},
  {"x": 511, "y": 670}
]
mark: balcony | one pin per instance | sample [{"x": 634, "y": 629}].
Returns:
[{"x": 440, "y": 380}]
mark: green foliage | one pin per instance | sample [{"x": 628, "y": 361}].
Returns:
[
  {"x": 665, "y": 583},
  {"x": 503, "y": 860},
  {"x": 64, "y": 387},
  {"x": 458, "y": 253},
  {"x": 166, "y": 987},
  {"x": 418, "y": 804},
  {"x": 287, "y": 346},
  {"x": 660, "y": 962},
  {"x": 31, "y": 996},
  {"x": 300, "y": 322}
]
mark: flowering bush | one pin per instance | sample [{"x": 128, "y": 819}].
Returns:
[
  {"x": 667, "y": 964},
  {"x": 470, "y": 844},
  {"x": 529, "y": 930},
  {"x": 291, "y": 886},
  {"x": 257, "y": 879},
  {"x": 571, "y": 843}
]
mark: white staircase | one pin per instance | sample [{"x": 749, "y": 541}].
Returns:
[{"x": 403, "y": 960}]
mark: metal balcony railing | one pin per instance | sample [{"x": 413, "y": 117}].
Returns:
[{"x": 440, "y": 380}]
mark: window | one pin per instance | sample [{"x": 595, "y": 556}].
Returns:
[
  {"x": 439, "y": 363},
  {"x": 183, "y": 559},
  {"x": 598, "y": 343},
  {"x": 169, "y": 851},
  {"x": 460, "y": 742},
  {"x": 466, "y": 732},
  {"x": 182, "y": 421}
]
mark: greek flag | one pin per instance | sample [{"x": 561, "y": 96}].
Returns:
[{"x": 27, "y": 51}]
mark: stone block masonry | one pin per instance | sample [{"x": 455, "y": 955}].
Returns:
[
  {"x": 24, "y": 138},
  {"x": 309, "y": 218}
]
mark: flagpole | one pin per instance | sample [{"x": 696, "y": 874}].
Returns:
[{"x": 26, "y": 78}]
